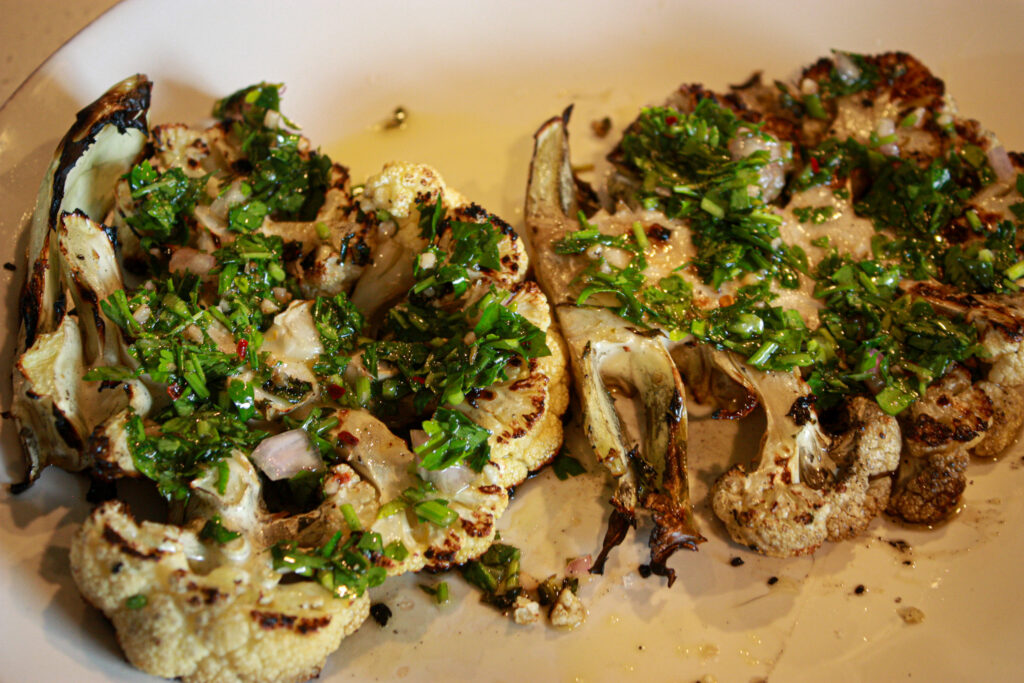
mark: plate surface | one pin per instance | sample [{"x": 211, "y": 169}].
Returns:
[{"x": 477, "y": 78}]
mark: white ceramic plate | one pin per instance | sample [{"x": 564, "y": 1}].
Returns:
[{"x": 478, "y": 78}]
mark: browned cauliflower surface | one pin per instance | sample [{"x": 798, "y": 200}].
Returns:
[{"x": 334, "y": 384}]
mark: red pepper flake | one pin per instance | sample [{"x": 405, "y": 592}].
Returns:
[
  {"x": 419, "y": 380},
  {"x": 242, "y": 349},
  {"x": 335, "y": 391},
  {"x": 175, "y": 391},
  {"x": 348, "y": 438},
  {"x": 671, "y": 120},
  {"x": 815, "y": 166}
]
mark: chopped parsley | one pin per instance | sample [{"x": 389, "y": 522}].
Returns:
[
  {"x": 215, "y": 531},
  {"x": 440, "y": 357},
  {"x": 770, "y": 337},
  {"x": 565, "y": 466},
  {"x": 161, "y": 200},
  {"x": 248, "y": 271},
  {"x": 346, "y": 568},
  {"x": 167, "y": 329},
  {"x": 686, "y": 170},
  {"x": 182, "y": 448},
  {"x": 815, "y": 215},
  {"x": 423, "y": 500},
  {"x": 452, "y": 438},
  {"x": 339, "y": 324},
  {"x": 865, "y": 76},
  {"x": 455, "y": 249},
  {"x": 882, "y": 341},
  {"x": 282, "y": 179},
  {"x": 496, "y": 573}
]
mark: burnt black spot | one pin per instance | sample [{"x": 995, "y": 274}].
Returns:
[
  {"x": 736, "y": 562},
  {"x": 644, "y": 570},
  {"x": 381, "y": 613},
  {"x": 59, "y": 306},
  {"x": 659, "y": 233},
  {"x": 801, "y": 410},
  {"x": 66, "y": 429},
  {"x": 292, "y": 251},
  {"x": 772, "y": 580},
  {"x": 10, "y": 266}
]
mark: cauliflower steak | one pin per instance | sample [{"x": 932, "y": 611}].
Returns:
[{"x": 326, "y": 384}]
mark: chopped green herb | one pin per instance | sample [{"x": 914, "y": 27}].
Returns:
[
  {"x": 215, "y": 531},
  {"x": 345, "y": 568},
  {"x": 565, "y": 466},
  {"x": 496, "y": 573},
  {"x": 423, "y": 501},
  {"x": 685, "y": 168},
  {"x": 137, "y": 601},
  {"x": 286, "y": 181},
  {"x": 452, "y": 438},
  {"x": 185, "y": 446},
  {"x": 161, "y": 199}
]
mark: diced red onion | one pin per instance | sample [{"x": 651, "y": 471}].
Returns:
[
  {"x": 886, "y": 128},
  {"x": 191, "y": 260},
  {"x": 848, "y": 71},
  {"x": 284, "y": 455},
  {"x": 579, "y": 566},
  {"x": 1001, "y": 163},
  {"x": 232, "y": 197},
  {"x": 874, "y": 381},
  {"x": 417, "y": 437},
  {"x": 450, "y": 480}
]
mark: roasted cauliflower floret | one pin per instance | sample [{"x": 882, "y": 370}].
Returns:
[
  {"x": 393, "y": 199},
  {"x": 865, "y": 451},
  {"x": 176, "y": 618},
  {"x": 939, "y": 432},
  {"x": 807, "y": 487}
]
